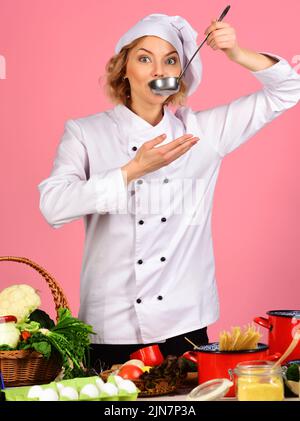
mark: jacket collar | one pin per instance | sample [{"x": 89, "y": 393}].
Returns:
[{"x": 132, "y": 125}]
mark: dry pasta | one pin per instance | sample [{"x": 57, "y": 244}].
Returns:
[{"x": 239, "y": 338}]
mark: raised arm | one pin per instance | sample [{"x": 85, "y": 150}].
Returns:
[
  {"x": 223, "y": 37},
  {"x": 228, "y": 126}
]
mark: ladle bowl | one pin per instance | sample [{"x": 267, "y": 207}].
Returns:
[
  {"x": 165, "y": 86},
  {"x": 170, "y": 85}
]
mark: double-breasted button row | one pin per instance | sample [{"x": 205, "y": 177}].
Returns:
[
  {"x": 140, "y": 261},
  {"x": 140, "y": 181},
  {"x": 141, "y": 222},
  {"x": 139, "y": 300}
]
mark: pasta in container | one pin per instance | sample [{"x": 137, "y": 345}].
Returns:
[{"x": 239, "y": 338}]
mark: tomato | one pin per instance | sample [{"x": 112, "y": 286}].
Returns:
[
  {"x": 25, "y": 335},
  {"x": 130, "y": 372}
]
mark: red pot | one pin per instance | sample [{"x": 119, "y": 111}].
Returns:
[
  {"x": 281, "y": 325},
  {"x": 215, "y": 364}
]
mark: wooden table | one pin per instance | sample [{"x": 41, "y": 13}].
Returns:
[{"x": 189, "y": 384}]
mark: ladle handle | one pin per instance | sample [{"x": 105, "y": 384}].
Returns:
[
  {"x": 291, "y": 347},
  {"x": 223, "y": 14}
]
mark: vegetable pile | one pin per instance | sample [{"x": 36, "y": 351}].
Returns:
[
  {"x": 173, "y": 369},
  {"x": 24, "y": 326}
]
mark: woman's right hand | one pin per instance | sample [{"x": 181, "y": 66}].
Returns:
[{"x": 150, "y": 158}]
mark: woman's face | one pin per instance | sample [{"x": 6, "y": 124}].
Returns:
[{"x": 152, "y": 58}]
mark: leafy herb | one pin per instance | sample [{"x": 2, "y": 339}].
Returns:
[
  {"x": 39, "y": 343},
  {"x": 70, "y": 337},
  {"x": 292, "y": 373},
  {"x": 31, "y": 327},
  {"x": 6, "y": 348}
]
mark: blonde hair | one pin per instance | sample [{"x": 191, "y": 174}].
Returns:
[{"x": 118, "y": 90}]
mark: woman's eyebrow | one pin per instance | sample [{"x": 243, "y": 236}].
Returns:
[{"x": 171, "y": 52}]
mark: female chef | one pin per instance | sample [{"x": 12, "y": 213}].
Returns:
[{"x": 143, "y": 179}]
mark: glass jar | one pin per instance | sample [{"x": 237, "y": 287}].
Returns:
[{"x": 258, "y": 381}]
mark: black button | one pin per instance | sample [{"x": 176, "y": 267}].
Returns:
[
  {"x": 139, "y": 301},
  {"x": 140, "y": 181},
  {"x": 141, "y": 222},
  {"x": 159, "y": 297},
  {"x": 166, "y": 180},
  {"x": 140, "y": 262},
  {"x": 163, "y": 219},
  {"x": 162, "y": 259},
  {"x": 134, "y": 148}
]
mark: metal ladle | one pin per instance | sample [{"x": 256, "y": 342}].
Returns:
[{"x": 171, "y": 85}]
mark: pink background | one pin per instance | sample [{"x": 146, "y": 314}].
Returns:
[{"x": 55, "y": 52}]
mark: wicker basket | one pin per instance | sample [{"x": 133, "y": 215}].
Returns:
[{"x": 26, "y": 367}]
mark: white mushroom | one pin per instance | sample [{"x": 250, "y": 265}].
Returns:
[
  {"x": 90, "y": 390},
  {"x": 34, "y": 392},
  {"x": 69, "y": 392},
  {"x": 110, "y": 389},
  {"x": 48, "y": 395}
]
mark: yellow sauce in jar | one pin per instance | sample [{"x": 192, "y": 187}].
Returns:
[
  {"x": 251, "y": 388},
  {"x": 259, "y": 381}
]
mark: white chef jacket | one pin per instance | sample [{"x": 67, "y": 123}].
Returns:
[{"x": 148, "y": 270}]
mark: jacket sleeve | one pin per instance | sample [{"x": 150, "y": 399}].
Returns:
[
  {"x": 69, "y": 193},
  {"x": 228, "y": 126}
]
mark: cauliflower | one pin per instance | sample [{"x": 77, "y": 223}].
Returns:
[{"x": 19, "y": 300}]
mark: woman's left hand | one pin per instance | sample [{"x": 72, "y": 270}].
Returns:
[{"x": 223, "y": 37}]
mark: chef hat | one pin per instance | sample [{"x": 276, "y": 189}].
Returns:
[{"x": 178, "y": 32}]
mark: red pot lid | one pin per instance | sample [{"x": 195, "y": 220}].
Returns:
[{"x": 285, "y": 313}]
